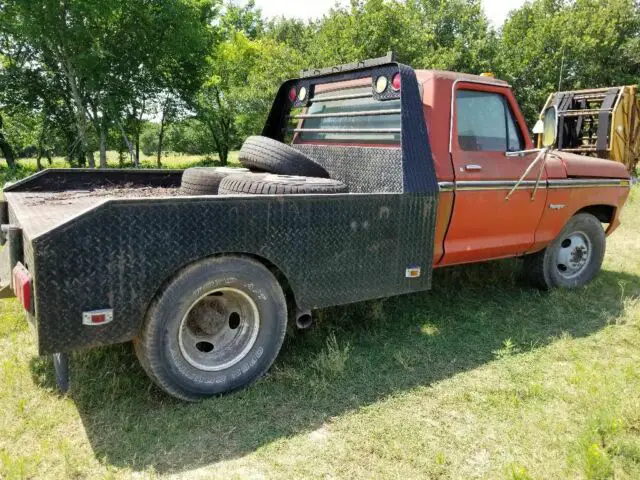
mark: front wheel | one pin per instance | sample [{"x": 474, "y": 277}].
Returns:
[
  {"x": 573, "y": 259},
  {"x": 217, "y": 327}
]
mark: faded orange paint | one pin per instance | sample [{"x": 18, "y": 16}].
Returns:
[{"x": 483, "y": 224}]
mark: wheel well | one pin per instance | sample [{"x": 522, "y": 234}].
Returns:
[
  {"x": 273, "y": 268},
  {"x": 280, "y": 277},
  {"x": 604, "y": 213}
]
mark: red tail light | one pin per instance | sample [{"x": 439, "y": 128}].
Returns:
[
  {"x": 293, "y": 94},
  {"x": 395, "y": 82},
  {"x": 22, "y": 286}
]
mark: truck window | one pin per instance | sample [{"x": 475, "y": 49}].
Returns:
[
  {"x": 486, "y": 123},
  {"x": 352, "y": 126}
]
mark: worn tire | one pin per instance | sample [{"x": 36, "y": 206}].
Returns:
[
  {"x": 205, "y": 181},
  {"x": 269, "y": 184},
  {"x": 266, "y": 154},
  {"x": 544, "y": 269},
  {"x": 159, "y": 344}
]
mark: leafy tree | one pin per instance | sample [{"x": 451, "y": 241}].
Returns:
[
  {"x": 549, "y": 44},
  {"x": 246, "y": 19},
  {"x": 292, "y": 32},
  {"x": 236, "y": 98},
  {"x": 452, "y": 34},
  {"x": 189, "y": 136},
  {"x": 114, "y": 55}
]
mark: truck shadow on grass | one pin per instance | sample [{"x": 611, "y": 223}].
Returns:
[{"x": 354, "y": 356}]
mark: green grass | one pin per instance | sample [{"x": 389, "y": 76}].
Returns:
[
  {"x": 28, "y": 166},
  {"x": 482, "y": 377}
]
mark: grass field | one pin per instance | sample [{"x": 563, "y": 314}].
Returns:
[
  {"x": 27, "y": 166},
  {"x": 482, "y": 377}
]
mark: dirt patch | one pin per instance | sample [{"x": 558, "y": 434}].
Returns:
[{"x": 68, "y": 197}]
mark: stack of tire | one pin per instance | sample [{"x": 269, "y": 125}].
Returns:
[{"x": 271, "y": 167}]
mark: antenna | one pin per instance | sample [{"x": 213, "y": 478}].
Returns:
[{"x": 561, "y": 68}]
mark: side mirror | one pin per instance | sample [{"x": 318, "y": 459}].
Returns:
[{"x": 549, "y": 127}]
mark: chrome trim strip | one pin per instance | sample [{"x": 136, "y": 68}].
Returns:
[
  {"x": 588, "y": 183},
  {"x": 528, "y": 184},
  {"x": 497, "y": 185}
]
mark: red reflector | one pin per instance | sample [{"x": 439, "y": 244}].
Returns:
[
  {"x": 22, "y": 286},
  {"x": 395, "y": 83},
  {"x": 293, "y": 94},
  {"x": 101, "y": 318}
]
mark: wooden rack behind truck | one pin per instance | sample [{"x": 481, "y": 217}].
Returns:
[{"x": 600, "y": 122}]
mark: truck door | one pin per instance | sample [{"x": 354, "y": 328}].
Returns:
[{"x": 485, "y": 225}]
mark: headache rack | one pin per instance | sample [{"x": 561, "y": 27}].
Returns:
[
  {"x": 355, "y": 110},
  {"x": 599, "y": 122}
]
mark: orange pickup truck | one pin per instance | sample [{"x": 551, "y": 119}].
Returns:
[
  {"x": 481, "y": 148},
  {"x": 365, "y": 178}
]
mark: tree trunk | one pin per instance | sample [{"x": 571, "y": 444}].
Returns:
[
  {"x": 161, "y": 137},
  {"x": 138, "y": 129},
  {"x": 41, "y": 146},
  {"x": 126, "y": 140},
  {"x": 80, "y": 113},
  {"x": 220, "y": 148},
  {"x": 137, "y": 157},
  {"x": 103, "y": 146},
  {"x": 100, "y": 126},
  {"x": 7, "y": 151},
  {"x": 120, "y": 156},
  {"x": 5, "y": 147}
]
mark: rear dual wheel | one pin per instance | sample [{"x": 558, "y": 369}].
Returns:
[{"x": 218, "y": 326}]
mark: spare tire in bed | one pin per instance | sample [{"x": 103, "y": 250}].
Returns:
[
  {"x": 205, "y": 180},
  {"x": 270, "y": 184},
  {"x": 271, "y": 156}
]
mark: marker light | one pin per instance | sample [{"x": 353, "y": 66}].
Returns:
[
  {"x": 293, "y": 94},
  {"x": 381, "y": 84},
  {"x": 302, "y": 94},
  {"x": 395, "y": 82},
  {"x": 22, "y": 286}
]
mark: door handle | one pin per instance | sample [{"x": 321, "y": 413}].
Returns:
[{"x": 473, "y": 168}]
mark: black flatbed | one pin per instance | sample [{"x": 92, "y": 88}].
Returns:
[
  {"x": 41, "y": 211},
  {"x": 97, "y": 240}
]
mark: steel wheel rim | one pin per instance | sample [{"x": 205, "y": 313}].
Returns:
[
  {"x": 219, "y": 329},
  {"x": 573, "y": 255}
]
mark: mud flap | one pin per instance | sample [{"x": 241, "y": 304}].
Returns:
[{"x": 61, "y": 364}]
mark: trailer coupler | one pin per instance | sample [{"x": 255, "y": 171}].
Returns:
[{"x": 61, "y": 364}]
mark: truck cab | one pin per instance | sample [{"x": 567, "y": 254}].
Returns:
[{"x": 481, "y": 146}]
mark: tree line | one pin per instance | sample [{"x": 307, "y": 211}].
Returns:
[{"x": 81, "y": 77}]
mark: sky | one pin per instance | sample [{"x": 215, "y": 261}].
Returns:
[{"x": 496, "y": 10}]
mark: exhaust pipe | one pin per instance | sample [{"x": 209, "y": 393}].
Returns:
[{"x": 304, "y": 319}]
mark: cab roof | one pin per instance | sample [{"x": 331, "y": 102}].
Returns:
[{"x": 439, "y": 75}]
